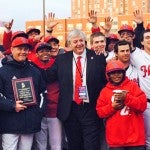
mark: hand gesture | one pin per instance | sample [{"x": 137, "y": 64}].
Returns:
[
  {"x": 8, "y": 25},
  {"x": 100, "y": 50},
  {"x": 120, "y": 96},
  {"x": 117, "y": 106},
  {"x": 50, "y": 22},
  {"x": 92, "y": 17},
  {"x": 19, "y": 106},
  {"x": 138, "y": 16},
  {"x": 108, "y": 24}
]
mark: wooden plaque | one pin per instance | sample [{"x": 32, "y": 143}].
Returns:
[{"x": 24, "y": 91}]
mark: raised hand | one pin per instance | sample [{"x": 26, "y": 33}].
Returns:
[
  {"x": 138, "y": 16},
  {"x": 8, "y": 25},
  {"x": 50, "y": 21},
  {"x": 92, "y": 17},
  {"x": 108, "y": 24}
]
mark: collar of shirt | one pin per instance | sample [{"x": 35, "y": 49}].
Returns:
[{"x": 83, "y": 55}]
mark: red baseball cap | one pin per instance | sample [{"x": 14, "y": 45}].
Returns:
[
  {"x": 42, "y": 45},
  {"x": 113, "y": 37},
  {"x": 51, "y": 38},
  {"x": 114, "y": 65},
  {"x": 33, "y": 29},
  {"x": 127, "y": 28},
  {"x": 19, "y": 34},
  {"x": 20, "y": 41}
]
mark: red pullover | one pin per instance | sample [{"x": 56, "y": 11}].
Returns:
[
  {"x": 52, "y": 91},
  {"x": 124, "y": 127}
]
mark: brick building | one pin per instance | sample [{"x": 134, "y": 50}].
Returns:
[{"x": 120, "y": 10}]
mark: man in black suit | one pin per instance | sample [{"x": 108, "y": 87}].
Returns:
[{"x": 80, "y": 120}]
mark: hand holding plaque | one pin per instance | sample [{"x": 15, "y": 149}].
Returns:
[{"x": 24, "y": 91}]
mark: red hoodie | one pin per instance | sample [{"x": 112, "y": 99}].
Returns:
[
  {"x": 52, "y": 90},
  {"x": 124, "y": 127}
]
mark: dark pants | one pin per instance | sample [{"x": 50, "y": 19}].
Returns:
[
  {"x": 129, "y": 148},
  {"x": 83, "y": 128}
]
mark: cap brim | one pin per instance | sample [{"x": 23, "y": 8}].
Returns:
[
  {"x": 114, "y": 70},
  {"x": 132, "y": 32},
  {"x": 20, "y": 35},
  {"x": 53, "y": 39},
  {"x": 43, "y": 46},
  {"x": 30, "y": 46},
  {"x": 34, "y": 30}
]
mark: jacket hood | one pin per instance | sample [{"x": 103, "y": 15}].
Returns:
[{"x": 112, "y": 87}]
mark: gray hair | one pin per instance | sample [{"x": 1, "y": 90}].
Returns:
[{"x": 75, "y": 33}]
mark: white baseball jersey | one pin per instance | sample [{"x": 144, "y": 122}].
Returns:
[
  {"x": 132, "y": 73},
  {"x": 110, "y": 55},
  {"x": 141, "y": 60}
]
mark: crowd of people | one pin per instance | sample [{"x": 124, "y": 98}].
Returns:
[{"x": 79, "y": 97}]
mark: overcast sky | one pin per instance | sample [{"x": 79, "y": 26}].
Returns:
[{"x": 27, "y": 10}]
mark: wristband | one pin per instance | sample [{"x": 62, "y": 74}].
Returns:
[{"x": 49, "y": 31}]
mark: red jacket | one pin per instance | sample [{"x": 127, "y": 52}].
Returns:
[
  {"x": 7, "y": 42},
  {"x": 123, "y": 127},
  {"x": 95, "y": 29}
]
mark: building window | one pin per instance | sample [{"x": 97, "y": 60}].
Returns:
[
  {"x": 84, "y": 1},
  {"x": 79, "y": 26},
  {"x": 70, "y": 27},
  {"x": 97, "y": 6},
  {"x": 78, "y": 13},
  {"x": 115, "y": 23},
  {"x": 133, "y": 3},
  {"x": 88, "y": 26},
  {"x": 59, "y": 27},
  {"x": 90, "y": 7},
  {"x": 114, "y": 4},
  {"x": 109, "y": 1},
  {"x": 143, "y": 8},
  {"x": 124, "y": 22},
  {"x": 84, "y": 7},
  {"x": 97, "y": 1},
  {"x": 143, "y": 3}
]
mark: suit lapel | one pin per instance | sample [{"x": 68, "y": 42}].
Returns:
[
  {"x": 69, "y": 66},
  {"x": 90, "y": 59}
]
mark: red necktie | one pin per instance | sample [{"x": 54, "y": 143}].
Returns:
[{"x": 78, "y": 80}]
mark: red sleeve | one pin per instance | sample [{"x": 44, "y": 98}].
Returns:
[
  {"x": 104, "y": 106},
  {"x": 7, "y": 40},
  {"x": 137, "y": 99},
  {"x": 7, "y": 52},
  {"x": 95, "y": 29}
]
